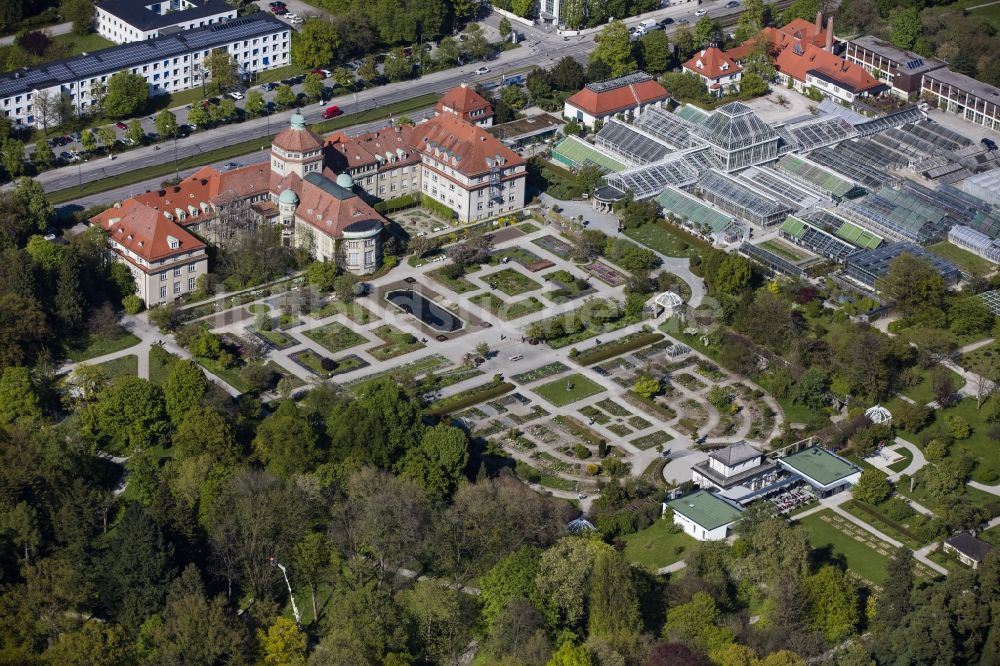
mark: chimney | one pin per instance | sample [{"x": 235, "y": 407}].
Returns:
[
  {"x": 819, "y": 22},
  {"x": 829, "y": 34}
]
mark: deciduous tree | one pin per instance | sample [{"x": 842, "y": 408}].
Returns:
[
  {"x": 615, "y": 49},
  {"x": 833, "y": 602},
  {"x": 127, "y": 94}
]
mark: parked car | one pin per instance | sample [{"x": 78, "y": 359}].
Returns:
[
  {"x": 267, "y": 87},
  {"x": 989, "y": 144},
  {"x": 75, "y": 136},
  {"x": 295, "y": 21},
  {"x": 331, "y": 112},
  {"x": 665, "y": 22},
  {"x": 482, "y": 70},
  {"x": 213, "y": 101},
  {"x": 732, "y": 4},
  {"x": 291, "y": 15},
  {"x": 321, "y": 73},
  {"x": 229, "y": 166},
  {"x": 120, "y": 125},
  {"x": 700, "y": 12},
  {"x": 66, "y": 156},
  {"x": 276, "y": 3},
  {"x": 184, "y": 130},
  {"x": 279, "y": 11},
  {"x": 236, "y": 94}
]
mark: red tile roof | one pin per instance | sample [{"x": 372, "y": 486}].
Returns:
[
  {"x": 798, "y": 62},
  {"x": 293, "y": 139},
  {"x": 208, "y": 185},
  {"x": 712, "y": 63},
  {"x": 145, "y": 231},
  {"x": 324, "y": 205},
  {"x": 466, "y": 148},
  {"x": 347, "y": 152},
  {"x": 612, "y": 101},
  {"x": 807, "y": 31},
  {"x": 463, "y": 101}
]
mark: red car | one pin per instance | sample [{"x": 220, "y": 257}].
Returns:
[
  {"x": 320, "y": 73},
  {"x": 331, "y": 112},
  {"x": 120, "y": 125}
]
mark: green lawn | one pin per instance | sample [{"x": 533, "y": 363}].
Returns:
[
  {"x": 533, "y": 475},
  {"x": 505, "y": 310},
  {"x": 77, "y": 44},
  {"x": 983, "y": 361},
  {"x": 313, "y": 362},
  {"x": 655, "y": 547},
  {"x": 980, "y": 447},
  {"x": 258, "y": 308},
  {"x": 665, "y": 240},
  {"x": 160, "y": 361},
  {"x": 511, "y": 282},
  {"x": 126, "y": 365},
  {"x": 99, "y": 345},
  {"x": 968, "y": 494},
  {"x": 923, "y": 392},
  {"x": 397, "y": 343},
  {"x": 458, "y": 285},
  {"x": 904, "y": 463},
  {"x": 831, "y": 542},
  {"x": 991, "y": 535},
  {"x": 964, "y": 259},
  {"x": 990, "y": 13},
  {"x": 335, "y": 337},
  {"x": 353, "y": 311},
  {"x": 568, "y": 389},
  {"x": 230, "y": 375},
  {"x": 794, "y": 412}
]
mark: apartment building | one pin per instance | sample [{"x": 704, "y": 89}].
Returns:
[
  {"x": 165, "y": 259},
  {"x": 124, "y": 21},
  {"x": 972, "y": 100},
  {"x": 903, "y": 71},
  {"x": 169, "y": 64}
]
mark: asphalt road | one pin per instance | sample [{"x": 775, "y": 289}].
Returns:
[{"x": 542, "y": 48}]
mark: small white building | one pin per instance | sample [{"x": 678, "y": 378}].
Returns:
[
  {"x": 969, "y": 550},
  {"x": 124, "y": 21},
  {"x": 626, "y": 96},
  {"x": 704, "y": 515}
]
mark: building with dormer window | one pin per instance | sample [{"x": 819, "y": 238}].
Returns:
[{"x": 718, "y": 72}]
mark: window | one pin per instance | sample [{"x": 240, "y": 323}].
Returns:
[
  {"x": 177, "y": 272},
  {"x": 190, "y": 284},
  {"x": 177, "y": 287},
  {"x": 192, "y": 268},
  {"x": 163, "y": 292},
  {"x": 163, "y": 276}
]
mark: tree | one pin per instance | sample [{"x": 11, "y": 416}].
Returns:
[
  {"x": 833, "y": 603},
  {"x": 812, "y": 388},
  {"x": 343, "y": 77},
  {"x": 694, "y": 623},
  {"x": 88, "y": 140},
  {"x": 20, "y": 525},
  {"x": 568, "y": 74},
  {"x": 615, "y": 49},
  {"x": 523, "y": 8},
  {"x": 129, "y": 416},
  {"x": 911, "y": 416},
  {"x": 166, "y": 122},
  {"x": 368, "y": 71},
  {"x": 437, "y": 613},
  {"x": 135, "y": 131},
  {"x": 202, "y": 431},
  {"x": 647, "y": 386},
  {"x": 505, "y": 28},
  {"x": 283, "y": 644},
  {"x": 316, "y": 44},
  {"x": 95, "y": 643},
  {"x": 313, "y": 86},
  {"x": 193, "y": 629},
  {"x": 477, "y": 47},
  {"x": 872, "y": 487},
  {"x": 18, "y": 396},
  {"x": 733, "y": 275},
  {"x": 752, "y": 20},
  {"x": 43, "y": 156},
  {"x": 126, "y": 95},
  {"x": 705, "y": 31},
  {"x": 803, "y": 9},
  {"x": 286, "y": 441},
  {"x": 734, "y": 655},
  {"x": 222, "y": 69},
  {"x": 254, "y": 104},
  {"x": 893, "y": 602},
  {"x": 916, "y": 288},
  {"x": 137, "y": 567},
  {"x": 46, "y": 108},
  {"x": 905, "y": 27},
  {"x": 80, "y": 13},
  {"x": 654, "y": 50},
  {"x": 198, "y": 115},
  {"x": 614, "y": 603},
  {"x": 107, "y": 137},
  {"x": 309, "y": 559},
  {"x": 185, "y": 386},
  {"x": 569, "y": 654},
  {"x": 12, "y": 157},
  {"x": 511, "y": 578},
  {"x": 574, "y": 13},
  {"x": 970, "y": 315},
  {"x": 438, "y": 462},
  {"x": 254, "y": 517},
  {"x": 564, "y": 571},
  {"x": 398, "y": 65}
]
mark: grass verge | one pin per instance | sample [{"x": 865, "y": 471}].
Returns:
[{"x": 473, "y": 396}]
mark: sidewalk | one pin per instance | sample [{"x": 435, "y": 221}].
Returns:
[{"x": 52, "y": 30}]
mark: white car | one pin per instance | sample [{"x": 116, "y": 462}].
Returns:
[
  {"x": 236, "y": 94},
  {"x": 295, "y": 21},
  {"x": 291, "y": 16},
  {"x": 483, "y": 70},
  {"x": 700, "y": 12}
]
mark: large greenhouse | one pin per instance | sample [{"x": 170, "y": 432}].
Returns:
[
  {"x": 770, "y": 182},
  {"x": 816, "y": 240},
  {"x": 868, "y": 266},
  {"x": 821, "y": 178},
  {"x": 975, "y": 242},
  {"x": 897, "y": 216},
  {"x": 985, "y": 185},
  {"x": 738, "y": 137},
  {"x": 740, "y": 199},
  {"x": 680, "y": 169},
  {"x": 630, "y": 143},
  {"x": 700, "y": 217}
]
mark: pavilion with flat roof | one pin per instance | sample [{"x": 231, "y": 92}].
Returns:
[
  {"x": 826, "y": 472},
  {"x": 704, "y": 515}
]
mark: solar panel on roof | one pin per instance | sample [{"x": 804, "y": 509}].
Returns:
[{"x": 914, "y": 64}]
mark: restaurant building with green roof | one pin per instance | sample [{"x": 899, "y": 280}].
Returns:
[
  {"x": 826, "y": 472},
  {"x": 704, "y": 515}
]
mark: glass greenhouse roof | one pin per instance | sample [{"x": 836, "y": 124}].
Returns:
[{"x": 688, "y": 208}]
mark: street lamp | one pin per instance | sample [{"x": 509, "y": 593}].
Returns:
[
  {"x": 295, "y": 609},
  {"x": 177, "y": 173}
]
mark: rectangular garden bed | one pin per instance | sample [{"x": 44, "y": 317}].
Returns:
[
  {"x": 569, "y": 389},
  {"x": 535, "y": 375},
  {"x": 335, "y": 337},
  {"x": 511, "y": 282},
  {"x": 623, "y": 345},
  {"x": 505, "y": 310},
  {"x": 396, "y": 344}
]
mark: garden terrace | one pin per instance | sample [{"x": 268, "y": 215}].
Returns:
[
  {"x": 505, "y": 310},
  {"x": 568, "y": 389},
  {"x": 335, "y": 337}
]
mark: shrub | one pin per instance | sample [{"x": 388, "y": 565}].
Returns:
[
  {"x": 327, "y": 363},
  {"x": 958, "y": 427},
  {"x": 581, "y": 451},
  {"x": 133, "y": 304}
]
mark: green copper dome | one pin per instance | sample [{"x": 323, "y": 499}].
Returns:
[
  {"x": 288, "y": 197},
  {"x": 345, "y": 181},
  {"x": 298, "y": 121}
]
